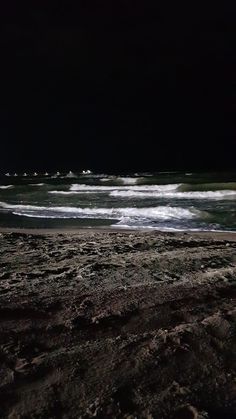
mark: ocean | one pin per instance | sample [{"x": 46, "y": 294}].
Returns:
[{"x": 166, "y": 201}]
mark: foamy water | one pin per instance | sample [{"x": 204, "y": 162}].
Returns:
[
  {"x": 6, "y": 186},
  {"x": 164, "y": 201},
  {"x": 177, "y": 195},
  {"x": 162, "y": 213},
  {"x": 98, "y": 188}
]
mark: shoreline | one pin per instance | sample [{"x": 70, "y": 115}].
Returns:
[{"x": 223, "y": 235}]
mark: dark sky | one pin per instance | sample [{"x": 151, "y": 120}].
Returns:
[{"x": 132, "y": 86}]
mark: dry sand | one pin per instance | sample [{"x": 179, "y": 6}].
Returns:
[{"x": 112, "y": 324}]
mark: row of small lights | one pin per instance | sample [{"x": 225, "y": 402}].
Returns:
[{"x": 84, "y": 172}]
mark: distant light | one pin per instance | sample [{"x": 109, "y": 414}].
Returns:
[{"x": 86, "y": 172}]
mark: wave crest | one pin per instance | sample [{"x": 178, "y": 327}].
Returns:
[
  {"x": 6, "y": 186},
  {"x": 219, "y": 195},
  {"x": 81, "y": 187},
  {"x": 160, "y": 213}
]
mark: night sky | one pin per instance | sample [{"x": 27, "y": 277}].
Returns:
[{"x": 117, "y": 87}]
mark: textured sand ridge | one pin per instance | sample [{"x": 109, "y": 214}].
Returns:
[{"x": 117, "y": 325}]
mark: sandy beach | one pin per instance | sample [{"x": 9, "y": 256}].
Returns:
[{"x": 117, "y": 324}]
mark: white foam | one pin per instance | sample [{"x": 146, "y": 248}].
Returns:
[
  {"x": 98, "y": 188},
  {"x": 147, "y": 191},
  {"x": 128, "y": 180},
  {"x": 177, "y": 195},
  {"x": 6, "y": 186},
  {"x": 36, "y": 184},
  {"x": 173, "y": 229},
  {"x": 70, "y": 192},
  {"x": 107, "y": 179},
  {"x": 159, "y": 228},
  {"x": 5, "y": 205},
  {"x": 156, "y": 213}
]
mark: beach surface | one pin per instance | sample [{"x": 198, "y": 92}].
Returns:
[{"x": 117, "y": 324}]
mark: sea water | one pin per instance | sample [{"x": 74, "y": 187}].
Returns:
[{"x": 167, "y": 201}]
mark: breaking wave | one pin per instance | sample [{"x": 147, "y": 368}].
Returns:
[
  {"x": 121, "y": 180},
  {"x": 160, "y": 213},
  {"x": 69, "y": 192},
  {"x": 176, "y": 191},
  {"x": 106, "y": 179},
  {"x": 96, "y": 189},
  {"x": 192, "y": 203},
  {"x": 128, "y": 180},
  {"x": 178, "y": 195},
  {"x": 6, "y": 186}
]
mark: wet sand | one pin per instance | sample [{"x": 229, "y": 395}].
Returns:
[{"x": 117, "y": 324}]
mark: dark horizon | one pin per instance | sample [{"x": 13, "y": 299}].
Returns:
[{"x": 117, "y": 88}]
